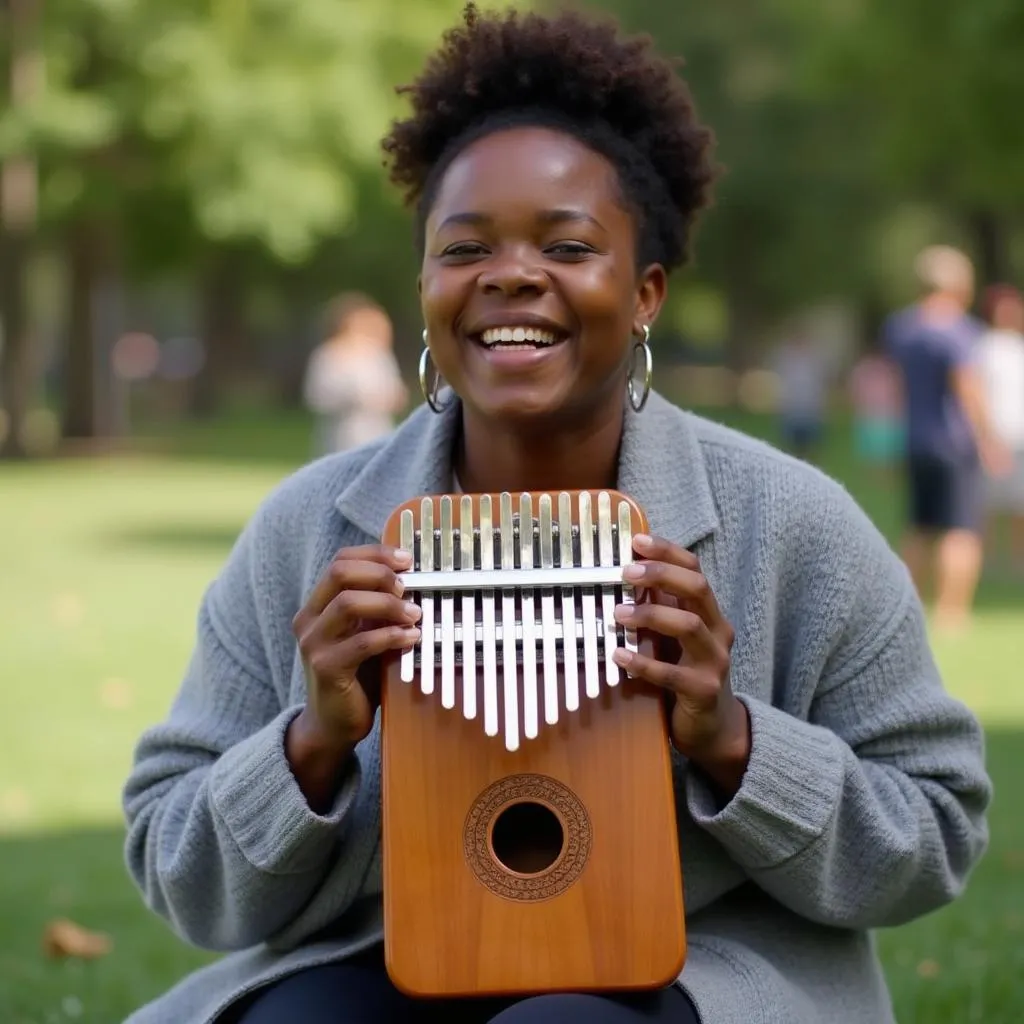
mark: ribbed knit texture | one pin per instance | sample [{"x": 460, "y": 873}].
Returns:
[{"x": 863, "y": 805}]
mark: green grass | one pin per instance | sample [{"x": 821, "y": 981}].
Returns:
[{"x": 102, "y": 564}]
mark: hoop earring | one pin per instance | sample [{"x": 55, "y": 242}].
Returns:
[
  {"x": 638, "y": 401},
  {"x": 429, "y": 393}
]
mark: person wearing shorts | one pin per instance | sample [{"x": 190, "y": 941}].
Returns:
[{"x": 949, "y": 441}]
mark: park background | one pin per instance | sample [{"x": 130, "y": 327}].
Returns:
[{"x": 182, "y": 188}]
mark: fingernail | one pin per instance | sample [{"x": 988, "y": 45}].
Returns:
[
  {"x": 399, "y": 587},
  {"x": 625, "y": 612},
  {"x": 635, "y": 571},
  {"x": 401, "y": 555},
  {"x": 412, "y": 633},
  {"x": 412, "y": 611},
  {"x": 642, "y": 540},
  {"x": 622, "y": 657}
]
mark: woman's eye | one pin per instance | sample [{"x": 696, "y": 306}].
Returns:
[
  {"x": 464, "y": 249},
  {"x": 570, "y": 249}
]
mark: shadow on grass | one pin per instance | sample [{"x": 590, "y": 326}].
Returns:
[{"x": 959, "y": 965}]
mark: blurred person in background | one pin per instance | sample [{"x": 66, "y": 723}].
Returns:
[
  {"x": 949, "y": 436},
  {"x": 877, "y": 400},
  {"x": 352, "y": 382},
  {"x": 803, "y": 378},
  {"x": 1001, "y": 363}
]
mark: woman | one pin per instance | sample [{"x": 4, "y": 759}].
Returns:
[
  {"x": 1001, "y": 368},
  {"x": 827, "y": 785},
  {"x": 353, "y": 384}
]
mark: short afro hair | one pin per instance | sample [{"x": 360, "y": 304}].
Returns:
[{"x": 571, "y": 73}]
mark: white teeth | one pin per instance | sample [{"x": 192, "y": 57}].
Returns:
[{"x": 517, "y": 335}]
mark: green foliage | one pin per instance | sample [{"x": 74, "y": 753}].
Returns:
[
  {"x": 851, "y": 131},
  {"x": 792, "y": 203},
  {"x": 257, "y": 112},
  {"x": 944, "y": 85}
]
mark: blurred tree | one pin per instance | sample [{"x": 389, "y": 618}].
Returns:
[
  {"x": 179, "y": 136},
  {"x": 268, "y": 110},
  {"x": 945, "y": 90},
  {"x": 793, "y": 207}
]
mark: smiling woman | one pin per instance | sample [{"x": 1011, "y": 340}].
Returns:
[
  {"x": 528, "y": 231},
  {"x": 824, "y": 783},
  {"x": 550, "y": 201}
]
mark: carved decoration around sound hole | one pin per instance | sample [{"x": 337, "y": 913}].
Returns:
[{"x": 567, "y": 867}]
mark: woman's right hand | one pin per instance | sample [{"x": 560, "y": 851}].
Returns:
[{"x": 354, "y": 614}]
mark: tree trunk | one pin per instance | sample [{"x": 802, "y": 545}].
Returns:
[
  {"x": 18, "y": 211},
  {"x": 223, "y": 333},
  {"x": 83, "y": 392},
  {"x": 16, "y": 377},
  {"x": 991, "y": 240},
  {"x": 743, "y": 348}
]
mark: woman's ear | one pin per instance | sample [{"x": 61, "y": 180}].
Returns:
[{"x": 652, "y": 288}]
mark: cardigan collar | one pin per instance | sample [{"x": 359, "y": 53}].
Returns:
[{"x": 661, "y": 466}]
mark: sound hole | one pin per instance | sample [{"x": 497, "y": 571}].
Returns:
[{"x": 527, "y": 838}]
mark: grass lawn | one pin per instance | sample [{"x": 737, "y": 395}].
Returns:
[{"x": 102, "y": 564}]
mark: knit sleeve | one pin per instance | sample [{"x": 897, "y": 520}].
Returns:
[
  {"x": 870, "y": 810},
  {"x": 221, "y": 840}
]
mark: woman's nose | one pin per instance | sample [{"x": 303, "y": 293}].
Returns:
[{"x": 513, "y": 274}]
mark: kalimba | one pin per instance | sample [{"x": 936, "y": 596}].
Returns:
[{"x": 529, "y": 825}]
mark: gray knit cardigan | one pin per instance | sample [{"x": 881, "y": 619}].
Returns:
[{"x": 863, "y": 806}]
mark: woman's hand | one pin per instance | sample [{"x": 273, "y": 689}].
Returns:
[
  {"x": 354, "y": 614},
  {"x": 692, "y": 649}
]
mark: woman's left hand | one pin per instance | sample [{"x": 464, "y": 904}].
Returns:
[{"x": 692, "y": 653}]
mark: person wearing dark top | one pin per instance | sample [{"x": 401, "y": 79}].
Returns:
[{"x": 949, "y": 443}]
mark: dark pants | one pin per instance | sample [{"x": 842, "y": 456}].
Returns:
[
  {"x": 945, "y": 493},
  {"x": 360, "y": 992}
]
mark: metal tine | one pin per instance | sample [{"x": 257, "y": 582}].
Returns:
[
  {"x": 489, "y": 631},
  {"x": 606, "y": 556},
  {"x": 625, "y": 557},
  {"x": 547, "y": 612},
  {"x": 468, "y": 561},
  {"x": 496, "y": 579},
  {"x": 589, "y": 601},
  {"x": 427, "y": 599},
  {"x": 407, "y": 540},
  {"x": 447, "y": 606},
  {"x": 530, "y": 724},
  {"x": 570, "y": 659},
  {"x": 510, "y": 670}
]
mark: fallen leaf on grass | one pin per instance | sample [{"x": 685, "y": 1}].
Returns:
[
  {"x": 928, "y": 969},
  {"x": 68, "y": 609},
  {"x": 1014, "y": 860},
  {"x": 15, "y": 806},
  {"x": 64, "y": 938},
  {"x": 117, "y": 694}
]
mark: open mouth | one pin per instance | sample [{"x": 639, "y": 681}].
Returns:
[{"x": 519, "y": 337}]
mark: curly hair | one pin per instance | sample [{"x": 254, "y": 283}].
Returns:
[{"x": 574, "y": 74}]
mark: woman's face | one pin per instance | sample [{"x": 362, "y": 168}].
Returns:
[{"x": 529, "y": 288}]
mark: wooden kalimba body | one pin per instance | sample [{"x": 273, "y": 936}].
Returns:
[{"x": 529, "y": 826}]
